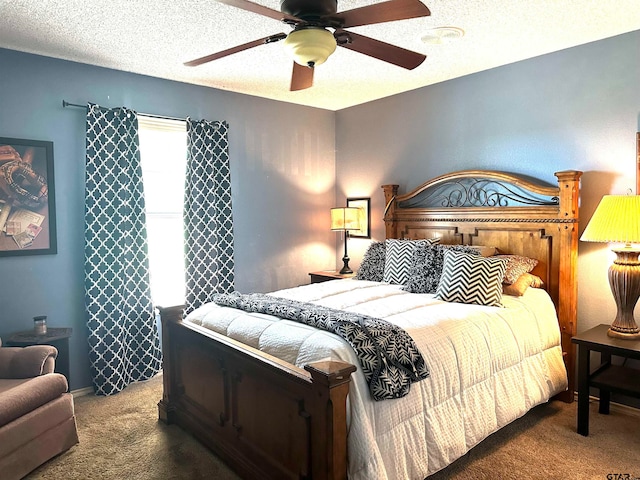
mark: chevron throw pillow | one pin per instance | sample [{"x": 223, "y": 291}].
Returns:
[
  {"x": 426, "y": 266},
  {"x": 398, "y": 258},
  {"x": 472, "y": 279}
]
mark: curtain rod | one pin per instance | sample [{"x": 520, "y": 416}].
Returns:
[{"x": 164, "y": 117}]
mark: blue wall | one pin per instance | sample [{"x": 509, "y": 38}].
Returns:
[
  {"x": 577, "y": 109},
  {"x": 282, "y": 167},
  {"x": 574, "y": 109}
]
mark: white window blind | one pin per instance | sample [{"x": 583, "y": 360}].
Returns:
[{"x": 163, "y": 155}]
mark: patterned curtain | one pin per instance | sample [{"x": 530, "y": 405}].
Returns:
[
  {"x": 123, "y": 339},
  {"x": 208, "y": 222}
]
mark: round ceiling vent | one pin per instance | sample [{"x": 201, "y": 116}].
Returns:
[{"x": 442, "y": 35}]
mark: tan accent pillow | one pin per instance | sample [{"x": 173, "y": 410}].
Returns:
[{"x": 517, "y": 288}]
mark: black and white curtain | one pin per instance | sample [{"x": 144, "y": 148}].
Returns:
[
  {"x": 123, "y": 339},
  {"x": 208, "y": 221}
]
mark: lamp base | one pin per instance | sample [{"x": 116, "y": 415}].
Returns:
[
  {"x": 624, "y": 279},
  {"x": 345, "y": 258},
  {"x": 623, "y": 335},
  {"x": 345, "y": 268}
]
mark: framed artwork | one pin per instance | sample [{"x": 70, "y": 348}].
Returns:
[
  {"x": 363, "y": 204},
  {"x": 27, "y": 203}
]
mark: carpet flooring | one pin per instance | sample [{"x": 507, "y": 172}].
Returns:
[{"x": 121, "y": 438}]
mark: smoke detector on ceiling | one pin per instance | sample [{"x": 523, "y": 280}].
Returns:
[{"x": 442, "y": 35}]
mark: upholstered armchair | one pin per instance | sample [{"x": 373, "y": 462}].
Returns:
[{"x": 37, "y": 420}]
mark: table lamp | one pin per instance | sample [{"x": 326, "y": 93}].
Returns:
[
  {"x": 345, "y": 219},
  {"x": 617, "y": 219}
]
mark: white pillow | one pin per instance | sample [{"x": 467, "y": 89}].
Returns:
[{"x": 468, "y": 278}]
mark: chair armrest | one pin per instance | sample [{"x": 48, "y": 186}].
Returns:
[
  {"x": 26, "y": 362},
  {"x": 27, "y": 395}
]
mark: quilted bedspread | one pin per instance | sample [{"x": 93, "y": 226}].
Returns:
[
  {"x": 488, "y": 366},
  {"x": 387, "y": 355}
]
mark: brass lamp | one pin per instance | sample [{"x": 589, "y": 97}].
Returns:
[
  {"x": 617, "y": 219},
  {"x": 345, "y": 219}
]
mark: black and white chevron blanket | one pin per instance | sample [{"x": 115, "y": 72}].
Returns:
[{"x": 389, "y": 357}]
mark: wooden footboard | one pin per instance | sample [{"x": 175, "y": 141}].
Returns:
[{"x": 264, "y": 417}]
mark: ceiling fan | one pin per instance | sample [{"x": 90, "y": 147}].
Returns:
[{"x": 311, "y": 43}]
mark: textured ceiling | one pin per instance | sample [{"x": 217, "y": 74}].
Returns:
[{"x": 155, "y": 38}]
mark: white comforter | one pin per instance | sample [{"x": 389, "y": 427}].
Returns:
[{"x": 488, "y": 366}]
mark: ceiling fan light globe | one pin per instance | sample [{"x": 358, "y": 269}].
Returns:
[{"x": 310, "y": 46}]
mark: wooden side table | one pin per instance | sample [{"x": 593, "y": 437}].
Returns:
[
  {"x": 326, "y": 275},
  {"x": 607, "y": 377},
  {"x": 57, "y": 337}
]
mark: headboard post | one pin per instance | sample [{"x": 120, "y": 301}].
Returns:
[
  {"x": 390, "y": 194},
  {"x": 569, "y": 186}
]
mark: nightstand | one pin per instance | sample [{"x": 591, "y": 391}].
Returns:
[
  {"x": 607, "y": 377},
  {"x": 57, "y": 337},
  {"x": 326, "y": 275}
]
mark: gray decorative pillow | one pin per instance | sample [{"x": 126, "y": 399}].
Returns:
[
  {"x": 398, "y": 258},
  {"x": 470, "y": 278},
  {"x": 372, "y": 266},
  {"x": 427, "y": 264}
]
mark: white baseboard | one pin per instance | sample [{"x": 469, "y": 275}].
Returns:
[{"x": 81, "y": 392}]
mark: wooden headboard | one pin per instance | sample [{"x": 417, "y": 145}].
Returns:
[{"x": 513, "y": 214}]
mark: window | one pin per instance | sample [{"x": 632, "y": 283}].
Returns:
[{"x": 163, "y": 155}]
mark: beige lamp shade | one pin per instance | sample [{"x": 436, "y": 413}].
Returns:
[
  {"x": 617, "y": 219},
  {"x": 345, "y": 218}
]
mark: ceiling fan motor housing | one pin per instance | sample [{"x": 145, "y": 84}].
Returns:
[{"x": 309, "y": 9}]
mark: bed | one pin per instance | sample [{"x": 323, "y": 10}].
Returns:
[{"x": 270, "y": 418}]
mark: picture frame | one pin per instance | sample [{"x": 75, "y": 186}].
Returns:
[
  {"x": 364, "y": 205},
  {"x": 27, "y": 198}
]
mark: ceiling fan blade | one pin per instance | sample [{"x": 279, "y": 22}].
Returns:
[
  {"x": 259, "y": 9},
  {"x": 382, "y": 51},
  {"x": 236, "y": 49},
  {"x": 301, "y": 78},
  {"x": 383, "y": 12}
]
